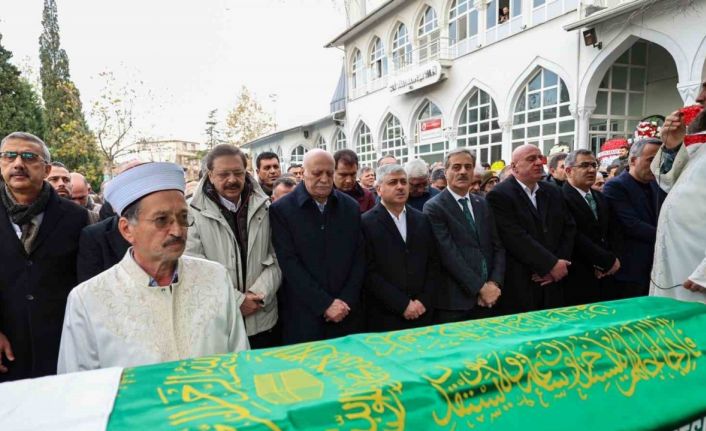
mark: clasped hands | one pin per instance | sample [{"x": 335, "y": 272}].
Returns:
[
  {"x": 337, "y": 311},
  {"x": 489, "y": 294},
  {"x": 559, "y": 271},
  {"x": 414, "y": 310}
]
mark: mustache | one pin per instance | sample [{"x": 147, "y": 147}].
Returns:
[
  {"x": 234, "y": 186},
  {"x": 174, "y": 240}
]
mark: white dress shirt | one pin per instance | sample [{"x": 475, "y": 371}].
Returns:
[
  {"x": 36, "y": 221},
  {"x": 467, "y": 196},
  {"x": 531, "y": 193},
  {"x": 400, "y": 222}
]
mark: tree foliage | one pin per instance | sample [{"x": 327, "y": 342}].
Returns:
[
  {"x": 248, "y": 120},
  {"x": 67, "y": 133},
  {"x": 20, "y": 109},
  {"x": 112, "y": 118}
]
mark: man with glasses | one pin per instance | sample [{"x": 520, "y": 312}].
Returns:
[
  {"x": 39, "y": 233},
  {"x": 595, "y": 256},
  {"x": 537, "y": 231},
  {"x": 155, "y": 305},
  {"x": 233, "y": 228}
]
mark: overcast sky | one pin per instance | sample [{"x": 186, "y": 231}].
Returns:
[{"x": 192, "y": 56}]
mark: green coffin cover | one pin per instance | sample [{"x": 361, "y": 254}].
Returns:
[{"x": 623, "y": 365}]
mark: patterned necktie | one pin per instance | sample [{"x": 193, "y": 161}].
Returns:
[
  {"x": 472, "y": 223},
  {"x": 592, "y": 203}
]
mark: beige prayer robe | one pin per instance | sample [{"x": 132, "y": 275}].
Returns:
[{"x": 117, "y": 320}]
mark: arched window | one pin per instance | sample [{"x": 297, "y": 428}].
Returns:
[
  {"x": 428, "y": 34},
  {"x": 393, "y": 139},
  {"x": 339, "y": 141},
  {"x": 378, "y": 60},
  {"x": 401, "y": 47},
  {"x": 430, "y": 143},
  {"x": 297, "y": 155},
  {"x": 463, "y": 21},
  {"x": 478, "y": 127},
  {"x": 542, "y": 114},
  {"x": 357, "y": 70},
  {"x": 620, "y": 102},
  {"x": 321, "y": 143},
  {"x": 364, "y": 146}
]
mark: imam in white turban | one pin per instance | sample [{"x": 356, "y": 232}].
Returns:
[{"x": 136, "y": 183}]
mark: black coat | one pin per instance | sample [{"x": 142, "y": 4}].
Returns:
[
  {"x": 637, "y": 213},
  {"x": 34, "y": 287},
  {"x": 322, "y": 258},
  {"x": 100, "y": 247},
  {"x": 596, "y": 246},
  {"x": 460, "y": 251},
  {"x": 397, "y": 270},
  {"x": 534, "y": 239}
]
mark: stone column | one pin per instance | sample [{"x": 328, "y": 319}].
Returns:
[
  {"x": 482, "y": 7},
  {"x": 582, "y": 117},
  {"x": 506, "y": 127},
  {"x": 689, "y": 91}
]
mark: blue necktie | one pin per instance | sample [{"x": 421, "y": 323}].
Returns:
[{"x": 472, "y": 223}]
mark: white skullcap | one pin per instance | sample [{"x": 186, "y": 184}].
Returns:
[{"x": 136, "y": 183}]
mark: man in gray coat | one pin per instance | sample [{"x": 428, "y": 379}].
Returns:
[
  {"x": 232, "y": 227},
  {"x": 472, "y": 257}
]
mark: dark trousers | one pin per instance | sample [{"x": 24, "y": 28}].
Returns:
[
  {"x": 451, "y": 316},
  {"x": 266, "y": 339},
  {"x": 626, "y": 290}
]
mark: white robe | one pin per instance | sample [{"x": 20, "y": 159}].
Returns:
[
  {"x": 680, "y": 250},
  {"x": 116, "y": 319}
]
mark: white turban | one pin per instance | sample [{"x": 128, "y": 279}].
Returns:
[{"x": 136, "y": 183}]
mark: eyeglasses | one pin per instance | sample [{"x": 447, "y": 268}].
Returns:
[
  {"x": 26, "y": 156},
  {"x": 165, "y": 221},
  {"x": 586, "y": 165}
]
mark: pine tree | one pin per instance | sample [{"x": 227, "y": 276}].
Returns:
[
  {"x": 67, "y": 135},
  {"x": 19, "y": 105}
]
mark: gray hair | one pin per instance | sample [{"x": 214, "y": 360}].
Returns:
[
  {"x": 556, "y": 158},
  {"x": 570, "y": 159},
  {"x": 31, "y": 138},
  {"x": 416, "y": 168},
  {"x": 363, "y": 170},
  {"x": 387, "y": 170},
  {"x": 459, "y": 151},
  {"x": 639, "y": 146}
]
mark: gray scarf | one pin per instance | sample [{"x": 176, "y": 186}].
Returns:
[{"x": 23, "y": 214}]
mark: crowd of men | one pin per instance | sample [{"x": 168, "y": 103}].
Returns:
[{"x": 330, "y": 248}]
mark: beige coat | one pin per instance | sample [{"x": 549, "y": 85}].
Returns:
[{"x": 210, "y": 237}]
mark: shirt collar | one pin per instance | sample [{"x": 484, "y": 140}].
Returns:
[
  {"x": 230, "y": 206},
  {"x": 138, "y": 273},
  {"x": 458, "y": 197},
  {"x": 581, "y": 192},
  {"x": 403, "y": 213},
  {"x": 525, "y": 188}
]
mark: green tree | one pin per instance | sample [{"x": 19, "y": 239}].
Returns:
[
  {"x": 20, "y": 109},
  {"x": 247, "y": 121},
  {"x": 67, "y": 133}
]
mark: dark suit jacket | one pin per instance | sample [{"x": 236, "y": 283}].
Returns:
[
  {"x": 460, "y": 250},
  {"x": 322, "y": 257},
  {"x": 34, "y": 287},
  {"x": 596, "y": 245},
  {"x": 535, "y": 239},
  {"x": 100, "y": 247},
  {"x": 638, "y": 218},
  {"x": 398, "y": 270}
]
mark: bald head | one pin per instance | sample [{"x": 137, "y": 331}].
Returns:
[
  {"x": 79, "y": 189},
  {"x": 527, "y": 164},
  {"x": 318, "y": 174}
]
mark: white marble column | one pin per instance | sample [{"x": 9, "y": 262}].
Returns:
[
  {"x": 482, "y": 7},
  {"x": 689, "y": 91},
  {"x": 506, "y": 153},
  {"x": 582, "y": 117}
]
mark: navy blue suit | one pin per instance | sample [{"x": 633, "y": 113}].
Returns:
[
  {"x": 322, "y": 258},
  {"x": 637, "y": 208}
]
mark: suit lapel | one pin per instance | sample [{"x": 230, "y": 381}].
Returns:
[
  {"x": 52, "y": 216},
  {"x": 412, "y": 226},
  {"x": 386, "y": 220},
  {"x": 525, "y": 198},
  {"x": 477, "y": 213},
  {"x": 115, "y": 239},
  {"x": 7, "y": 231},
  {"x": 581, "y": 202},
  {"x": 455, "y": 208}
]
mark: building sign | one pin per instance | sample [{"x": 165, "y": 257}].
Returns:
[
  {"x": 416, "y": 78},
  {"x": 430, "y": 129}
]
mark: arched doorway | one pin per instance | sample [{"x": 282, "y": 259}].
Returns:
[{"x": 641, "y": 82}]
